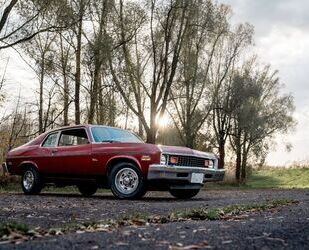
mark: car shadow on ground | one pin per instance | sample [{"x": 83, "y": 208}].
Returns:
[{"x": 109, "y": 196}]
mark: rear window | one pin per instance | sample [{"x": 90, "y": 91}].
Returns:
[{"x": 73, "y": 137}]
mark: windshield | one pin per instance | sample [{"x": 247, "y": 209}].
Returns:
[{"x": 106, "y": 134}]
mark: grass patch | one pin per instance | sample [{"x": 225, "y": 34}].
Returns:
[
  {"x": 8, "y": 228},
  {"x": 285, "y": 178},
  {"x": 200, "y": 213},
  {"x": 280, "y": 178}
]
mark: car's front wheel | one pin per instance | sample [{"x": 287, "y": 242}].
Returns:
[
  {"x": 126, "y": 181},
  {"x": 31, "y": 181},
  {"x": 87, "y": 189},
  {"x": 184, "y": 193}
]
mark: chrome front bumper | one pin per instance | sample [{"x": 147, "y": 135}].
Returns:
[
  {"x": 5, "y": 167},
  {"x": 177, "y": 173}
]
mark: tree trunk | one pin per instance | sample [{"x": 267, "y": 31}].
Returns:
[
  {"x": 65, "y": 100},
  {"x": 152, "y": 132},
  {"x": 221, "y": 153},
  {"x": 238, "y": 165},
  {"x": 94, "y": 94},
  {"x": 151, "y": 135},
  {"x": 244, "y": 165},
  {"x": 100, "y": 107},
  {"x": 78, "y": 65},
  {"x": 140, "y": 128},
  {"x": 189, "y": 138},
  {"x": 64, "y": 65},
  {"x": 41, "y": 130}
]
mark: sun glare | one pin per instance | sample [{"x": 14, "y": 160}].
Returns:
[{"x": 162, "y": 121}]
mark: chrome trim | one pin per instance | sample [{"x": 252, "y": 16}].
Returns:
[
  {"x": 28, "y": 180},
  {"x": 213, "y": 157},
  {"x": 164, "y": 172},
  {"x": 5, "y": 167},
  {"x": 59, "y": 131},
  {"x": 85, "y": 154},
  {"x": 126, "y": 180}
]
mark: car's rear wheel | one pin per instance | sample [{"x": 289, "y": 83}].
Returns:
[
  {"x": 126, "y": 181},
  {"x": 87, "y": 189},
  {"x": 184, "y": 193},
  {"x": 31, "y": 181}
]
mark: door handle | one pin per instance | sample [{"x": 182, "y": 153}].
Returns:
[{"x": 54, "y": 151}]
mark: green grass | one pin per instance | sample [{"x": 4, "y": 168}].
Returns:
[
  {"x": 280, "y": 178},
  {"x": 271, "y": 178},
  {"x": 7, "y": 228}
]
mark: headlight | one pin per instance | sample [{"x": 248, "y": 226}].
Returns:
[
  {"x": 211, "y": 164},
  {"x": 163, "y": 160}
]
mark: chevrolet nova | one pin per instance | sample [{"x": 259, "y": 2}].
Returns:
[{"x": 92, "y": 157}]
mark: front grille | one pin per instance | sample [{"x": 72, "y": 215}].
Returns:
[{"x": 187, "y": 161}]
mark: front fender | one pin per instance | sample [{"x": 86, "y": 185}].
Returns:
[
  {"x": 28, "y": 163},
  {"x": 119, "y": 158}
]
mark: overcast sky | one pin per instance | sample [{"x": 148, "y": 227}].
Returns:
[{"x": 281, "y": 39}]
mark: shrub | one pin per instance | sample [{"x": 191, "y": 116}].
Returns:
[{"x": 6, "y": 179}]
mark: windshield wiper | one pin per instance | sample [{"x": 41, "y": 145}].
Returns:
[{"x": 111, "y": 141}]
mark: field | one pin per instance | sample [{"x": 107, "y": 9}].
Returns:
[
  {"x": 286, "y": 178},
  {"x": 280, "y": 178}
]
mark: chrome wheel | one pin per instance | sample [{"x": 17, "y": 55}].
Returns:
[
  {"x": 28, "y": 180},
  {"x": 126, "y": 180}
]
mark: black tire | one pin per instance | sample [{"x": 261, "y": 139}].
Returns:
[
  {"x": 138, "y": 190},
  {"x": 31, "y": 187},
  {"x": 87, "y": 189},
  {"x": 184, "y": 193}
]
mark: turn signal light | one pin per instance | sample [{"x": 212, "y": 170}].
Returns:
[
  {"x": 209, "y": 163},
  {"x": 145, "y": 158},
  {"x": 173, "y": 160}
]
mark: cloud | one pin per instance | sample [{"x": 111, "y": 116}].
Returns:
[
  {"x": 282, "y": 39},
  {"x": 299, "y": 139},
  {"x": 265, "y": 14}
]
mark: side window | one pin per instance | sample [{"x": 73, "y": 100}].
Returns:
[
  {"x": 50, "y": 141},
  {"x": 73, "y": 137}
]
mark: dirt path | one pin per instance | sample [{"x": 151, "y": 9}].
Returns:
[{"x": 285, "y": 228}]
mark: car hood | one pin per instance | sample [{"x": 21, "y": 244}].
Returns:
[{"x": 185, "y": 151}]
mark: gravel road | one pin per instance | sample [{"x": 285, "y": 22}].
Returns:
[{"x": 283, "y": 228}]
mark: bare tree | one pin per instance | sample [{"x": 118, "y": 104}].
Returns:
[
  {"x": 65, "y": 49},
  {"x": 148, "y": 70},
  {"x": 40, "y": 50},
  {"x": 14, "y": 31},
  {"x": 191, "y": 95},
  {"x": 98, "y": 50}
]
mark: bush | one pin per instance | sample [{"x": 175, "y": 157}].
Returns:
[{"x": 6, "y": 179}]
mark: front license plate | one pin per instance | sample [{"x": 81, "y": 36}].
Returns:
[{"x": 197, "y": 178}]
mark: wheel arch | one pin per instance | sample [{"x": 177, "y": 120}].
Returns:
[
  {"x": 118, "y": 159},
  {"x": 25, "y": 164}
]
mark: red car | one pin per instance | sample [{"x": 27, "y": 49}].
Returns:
[{"x": 92, "y": 157}]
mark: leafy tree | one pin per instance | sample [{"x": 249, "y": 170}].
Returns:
[{"x": 259, "y": 112}]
